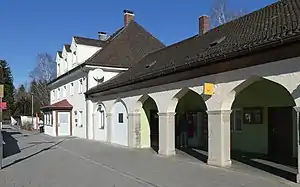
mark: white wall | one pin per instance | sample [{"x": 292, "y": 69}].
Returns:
[
  {"x": 77, "y": 100},
  {"x": 58, "y": 61},
  {"x": 108, "y": 74},
  {"x": 119, "y": 129},
  {"x": 84, "y": 52}
]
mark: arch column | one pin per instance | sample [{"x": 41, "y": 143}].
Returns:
[
  {"x": 167, "y": 133},
  {"x": 297, "y": 109},
  {"x": 134, "y": 129},
  {"x": 219, "y": 138},
  {"x": 109, "y": 124}
]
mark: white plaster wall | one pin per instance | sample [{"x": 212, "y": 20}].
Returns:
[
  {"x": 58, "y": 61},
  {"x": 69, "y": 62},
  {"x": 84, "y": 52},
  {"x": 119, "y": 130},
  {"x": 77, "y": 100},
  {"x": 107, "y": 75}
]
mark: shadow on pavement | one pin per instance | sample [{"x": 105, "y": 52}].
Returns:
[
  {"x": 29, "y": 156},
  {"x": 10, "y": 144},
  {"x": 282, "y": 167}
]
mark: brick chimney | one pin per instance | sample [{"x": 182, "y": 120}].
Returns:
[
  {"x": 128, "y": 17},
  {"x": 204, "y": 24}
]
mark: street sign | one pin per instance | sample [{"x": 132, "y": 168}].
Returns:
[
  {"x": 1, "y": 90},
  {"x": 3, "y": 105}
]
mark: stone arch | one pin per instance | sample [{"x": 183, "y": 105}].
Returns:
[
  {"x": 263, "y": 108},
  {"x": 119, "y": 128},
  {"x": 229, "y": 99}
]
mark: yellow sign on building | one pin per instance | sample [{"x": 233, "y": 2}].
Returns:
[
  {"x": 1, "y": 90},
  {"x": 209, "y": 89}
]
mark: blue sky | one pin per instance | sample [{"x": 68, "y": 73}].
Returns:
[{"x": 37, "y": 26}]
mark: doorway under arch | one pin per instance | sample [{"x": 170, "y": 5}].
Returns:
[
  {"x": 262, "y": 122},
  {"x": 119, "y": 131},
  {"x": 191, "y": 126},
  {"x": 149, "y": 124}
]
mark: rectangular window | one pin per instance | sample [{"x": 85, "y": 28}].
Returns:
[
  {"x": 65, "y": 91},
  {"x": 121, "y": 118},
  {"x": 101, "y": 119},
  {"x": 72, "y": 88},
  {"x": 53, "y": 95},
  {"x": 58, "y": 68},
  {"x": 60, "y": 92},
  {"x": 80, "y": 119},
  {"x": 66, "y": 65},
  {"x": 74, "y": 57},
  {"x": 80, "y": 86},
  {"x": 57, "y": 94},
  {"x": 237, "y": 120}
]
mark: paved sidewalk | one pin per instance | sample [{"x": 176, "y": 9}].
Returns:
[{"x": 64, "y": 162}]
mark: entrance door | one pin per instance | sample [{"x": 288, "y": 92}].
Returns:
[
  {"x": 154, "y": 129},
  {"x": 63, "y": 123},
  {"x": 280, "y": 123}
]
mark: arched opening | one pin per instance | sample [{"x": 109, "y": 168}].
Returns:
[
  {"x": 263, "y": 125},
  {"x": 99, "y": 122},
  {"x": 191, "y": 127},
  {"x": 149, "y": 124},
  {"x": 119, "y": 130}
]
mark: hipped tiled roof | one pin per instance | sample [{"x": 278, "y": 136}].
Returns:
[{"x": 61, "y": 105}]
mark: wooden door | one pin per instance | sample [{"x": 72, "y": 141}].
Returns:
[{"x": 280, "y": 125}]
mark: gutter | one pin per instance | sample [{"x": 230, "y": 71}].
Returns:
[{"x": 207, "y": 62}]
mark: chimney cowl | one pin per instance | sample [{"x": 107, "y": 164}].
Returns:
[
  {"x": 128, "y": 12},
  {"x": 102, "y": 36},
  {"x": 204, "y": 24}
]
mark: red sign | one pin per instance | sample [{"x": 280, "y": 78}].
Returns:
[{"x": 3, "y": 106}]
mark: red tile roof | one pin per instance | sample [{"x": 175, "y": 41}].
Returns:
[{"x": 61, "y": 105}]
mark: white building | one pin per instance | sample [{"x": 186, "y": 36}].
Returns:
[
  {"x": 87, "y": 63},
  {"x": 233, "y": 88}
]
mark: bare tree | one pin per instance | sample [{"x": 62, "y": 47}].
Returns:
[
  {"x": 43, "y": 73},
  {"x": 221, "y": 13}
]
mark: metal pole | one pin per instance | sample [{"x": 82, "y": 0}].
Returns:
[{"x": 32, "y": 109}]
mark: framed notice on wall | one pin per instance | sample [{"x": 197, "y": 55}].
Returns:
[{"x": 253, "y": 115}]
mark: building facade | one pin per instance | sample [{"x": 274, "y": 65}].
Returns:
[
  {"x": 85, "y": 64},
  {"x": 233, "y": 88}
]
